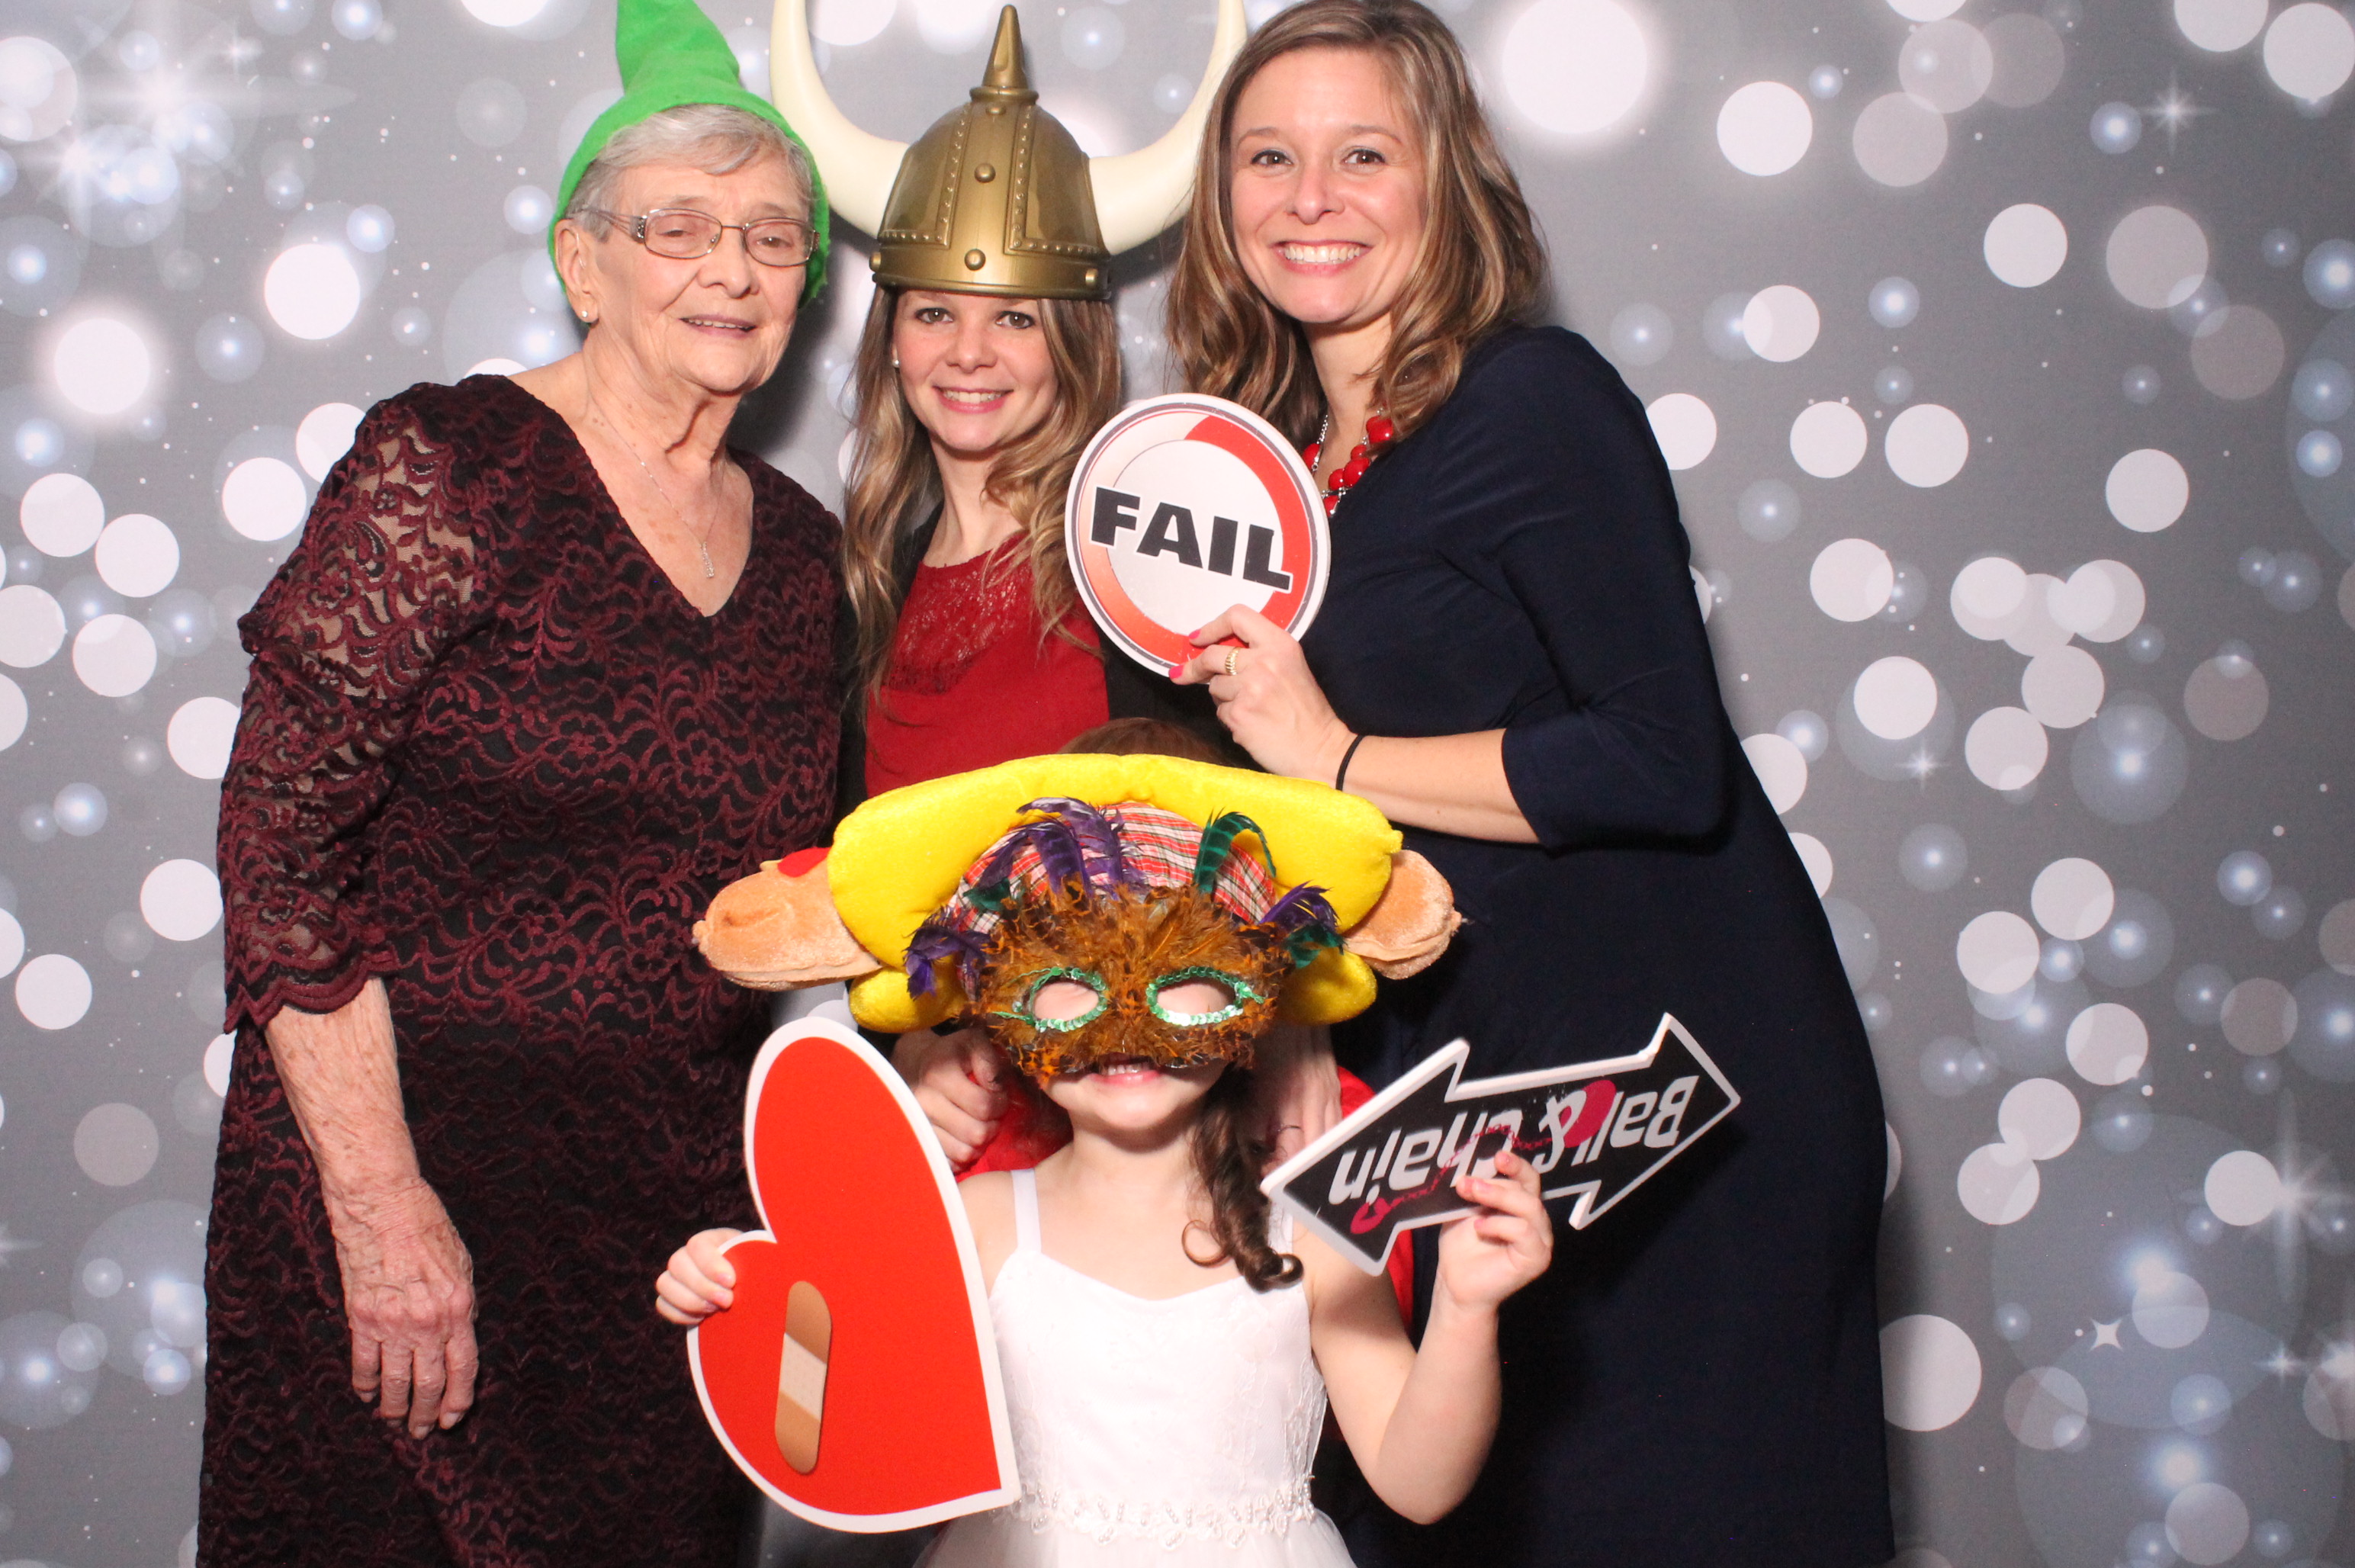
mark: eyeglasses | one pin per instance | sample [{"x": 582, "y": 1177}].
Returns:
[{"x": 681, "y": 234}]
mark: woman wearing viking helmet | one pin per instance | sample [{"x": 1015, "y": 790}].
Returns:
[{"x": 990, "y": 356}]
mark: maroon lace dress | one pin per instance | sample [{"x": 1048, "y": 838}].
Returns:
[{"x": 491, "y": 754}]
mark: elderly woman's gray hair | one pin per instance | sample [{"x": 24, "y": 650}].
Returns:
[{"x": 712, "y": 137}]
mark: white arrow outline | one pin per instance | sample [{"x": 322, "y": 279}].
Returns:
[{"x": 1451, "y": 1057}]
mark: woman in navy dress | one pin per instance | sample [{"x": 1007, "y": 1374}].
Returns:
[{"x": 1511, "y": 662}]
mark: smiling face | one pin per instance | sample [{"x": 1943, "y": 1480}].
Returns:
[
  {"x": 719, "y": 322},
  {"x": 1326, "y": 181},
  {"x": 975, "y": 368}
]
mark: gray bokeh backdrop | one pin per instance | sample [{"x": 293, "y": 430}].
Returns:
[{"x": 2004, "y": 355}]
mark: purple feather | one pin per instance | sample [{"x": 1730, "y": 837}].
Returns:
[{"x": 1303, "y": 906}]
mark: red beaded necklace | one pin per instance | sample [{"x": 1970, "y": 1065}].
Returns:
[{"x": 1379, "y": 433}]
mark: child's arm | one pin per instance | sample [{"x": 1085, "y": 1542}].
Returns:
[
  {"x": 699, "y": 1282},
  {"x": 1419, "y": 1422}
]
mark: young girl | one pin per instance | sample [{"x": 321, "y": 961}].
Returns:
[{"x": 1167, "y": 1349}]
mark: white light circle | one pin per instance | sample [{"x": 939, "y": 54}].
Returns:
[
  {"x": 2147, "y": 490},
  {"x": 846, "y": 24},
  {"x": 2242, "y": 1187},
  {"x": 1998, "y": 952},
  {"x": 2101, "y": 602},
  {"x": 1987, "y": 595},
  {"x": 138, "y": 555},
  {"x": 2310, "y": 50},
  {"x": 312, "y": 291},
  {"x": 1851, "y": 580},
  {"x": 1764, "y": 128},
  {"x": 1925, "y": 10},
  {"x": 1829, "y": 440},
  {"x": 2061, "y": 687},
  {"x": 1929, "y": 1372},
  {"x": 2156, "y": 257},
  {"x": 1898, "y": 140},
  {"x": 61, "y": 514},
  {"x": 1781, "y": 767},
  {"x": 1896, "y": 698},
  {"x": 1780, "y": 323},
  {"x": 2073, "y": 899},
  {"x": 504, "y": 13},
  {"x": 103, "y": 366},
  {"x": 180, "y": 900},
  {"x": 217, "y": 1057},
  {"x": 116, "y": 1145},
  {"x": 263, "y": 498},
  {"x": 2220, "y": 25},
  {"x": 323, "y": 436},
  {"x": 1816, "y": 858},
  {"x": 2170, "y": 1309},
  {"x": 2040, "y": 1117},
  {"x": 1685, "y": 427},
  {"x": 114, "y": 656},
  {"x": 2025, "y": 245},
  {"x": 2107, "y": 1043},
  {"x": 953, "y": 27},
  {"x": 1997, "y": 1184},
  {"x": 12, "y": 942},
  {"x": 1575, "y": 67},
  {"x": 2005, "y": 749},
  {"x": 1948, "y": 64},
  {"x": 32, "y": 626},
  {"x": 1927, "y": 444},
  {"x": 14, "y": 713},
  {"x": 199, "y": 736},
  {"x": 2207, "y": 1523},
  {"x": 53, "y": 992}
]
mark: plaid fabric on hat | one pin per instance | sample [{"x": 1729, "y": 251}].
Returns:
[{"x": 1129, "y": 846}]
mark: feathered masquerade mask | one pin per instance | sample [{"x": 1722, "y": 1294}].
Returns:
[{"x": 1078, "y": 907}]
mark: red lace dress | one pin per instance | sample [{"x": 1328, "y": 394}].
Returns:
[
  {"x": 491, "y": 754},
  {"x": 972, "y": 683}
]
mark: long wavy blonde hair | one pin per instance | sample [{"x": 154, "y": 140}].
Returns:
[
  {"x": 895, "y": 483},
  {"x": 1483, "y": 265}
]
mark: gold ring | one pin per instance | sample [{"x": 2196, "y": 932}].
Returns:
[{"x": 1231, "y": 661}]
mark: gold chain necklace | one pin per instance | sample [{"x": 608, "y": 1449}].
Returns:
[{"x": 703, "y": 539}]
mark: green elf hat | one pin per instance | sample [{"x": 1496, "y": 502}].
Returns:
[{"x": 671, "y": 55}]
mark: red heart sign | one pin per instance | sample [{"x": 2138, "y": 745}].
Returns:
[{"x": 854, "y": 1379}]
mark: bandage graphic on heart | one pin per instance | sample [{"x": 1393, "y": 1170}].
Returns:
[{"x": 854, "y": 1379}]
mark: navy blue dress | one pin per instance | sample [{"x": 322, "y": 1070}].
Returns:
[{"x": 1698, "y": 1380}]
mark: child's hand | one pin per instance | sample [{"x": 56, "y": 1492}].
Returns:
[
  {"x": 699, "y": 1282},
  {"x": 958, "y": 1079},
  {"x": 1484, "y": 1257}
]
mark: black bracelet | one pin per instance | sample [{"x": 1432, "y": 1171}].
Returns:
[{"x": 1342, "y": 773}]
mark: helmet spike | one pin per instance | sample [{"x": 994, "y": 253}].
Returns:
[{"x": 1006, "y": 73}]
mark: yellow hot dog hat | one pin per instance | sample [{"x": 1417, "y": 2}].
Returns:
[{"x": 903, "y": 857}]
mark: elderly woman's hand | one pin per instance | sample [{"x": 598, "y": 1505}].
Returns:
[{"x": 1271, "y": 704}]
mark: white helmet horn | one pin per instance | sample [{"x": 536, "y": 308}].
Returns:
[
  {"x": 1140, "y": 194},
  {"x": 858, "y": 168},
  {"x": 1137, "y": 194}
]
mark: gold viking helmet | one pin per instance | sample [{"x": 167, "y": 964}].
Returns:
[{"x": 997, "y": 197}]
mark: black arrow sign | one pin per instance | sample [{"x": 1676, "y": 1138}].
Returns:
[{"x": 1595, "y": 1132}]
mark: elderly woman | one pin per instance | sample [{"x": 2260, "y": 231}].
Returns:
[
  {"x": 1509, "y": 662},
  {"x": 550, "y": 666}
]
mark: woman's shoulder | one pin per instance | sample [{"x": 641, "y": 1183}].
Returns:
[
  {"x": 1516, "y": 364},
  {"x": 776, "y": 493},
  {"x": 480, "y": 412}
]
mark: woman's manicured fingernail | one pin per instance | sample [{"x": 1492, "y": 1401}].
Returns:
[{"x": 1175, "y": 670}]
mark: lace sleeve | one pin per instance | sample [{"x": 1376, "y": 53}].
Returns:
[{"x": 388, "y": 577}]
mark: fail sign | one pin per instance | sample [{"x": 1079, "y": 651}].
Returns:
[{"x": 1184, "y": 507}]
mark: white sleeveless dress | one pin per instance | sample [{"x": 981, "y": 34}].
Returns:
[{"x": 1176, "y": 1433}]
